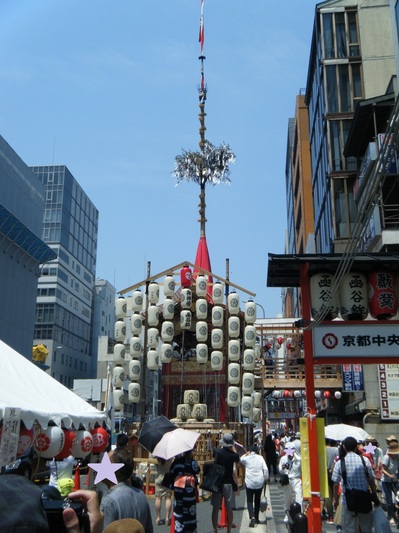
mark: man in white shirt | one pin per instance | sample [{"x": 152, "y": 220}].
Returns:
[{"x": 256, "y": 475}]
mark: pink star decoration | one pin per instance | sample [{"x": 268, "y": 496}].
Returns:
[
  {"x": 106, "y": 469},
  {"x": 369, "y": 448},
  {"x": 289, "y": 451}
]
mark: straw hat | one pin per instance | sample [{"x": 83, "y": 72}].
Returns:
[
  {"x": 391, "y": 438},
  {"x": 393, "y": 447},
  {"x": 124, "y": 525}
]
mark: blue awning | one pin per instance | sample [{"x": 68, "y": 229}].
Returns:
[{"x": 15, "y": 231}]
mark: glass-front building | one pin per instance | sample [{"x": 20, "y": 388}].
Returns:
[{"x": 66, "y": 285}]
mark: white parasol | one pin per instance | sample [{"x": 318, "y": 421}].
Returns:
[
  {"x": 175, "y": 442},
  {"x": 339, "y": 432}
]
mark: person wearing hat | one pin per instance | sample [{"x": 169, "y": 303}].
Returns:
[
  {"x": 226, "y": 457},
  {"x": 124, "y": 525},
  {"x": 389, "y": 478}
]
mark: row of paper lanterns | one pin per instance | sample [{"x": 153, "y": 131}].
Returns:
[
  {"x": 60, "y": 443},
  {"x": 358, "y": 295},
  {"x": 301, "y": 393}
]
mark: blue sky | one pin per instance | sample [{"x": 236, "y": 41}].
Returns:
[{"x": 109, "y": 88}]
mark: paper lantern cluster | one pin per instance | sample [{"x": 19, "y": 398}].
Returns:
[
  {"x": 59, "y": 443},
  {"x": 192, "y": 410},
  {"x": 297, "y": 394},
  {"x": 358, "y": 296}
]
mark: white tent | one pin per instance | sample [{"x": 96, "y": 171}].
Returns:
[{"x": 39, "y": 396}]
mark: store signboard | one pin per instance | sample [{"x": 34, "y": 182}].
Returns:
[
  {"x": 352, "y": 378},
  {"x": 388, "y": 377}
]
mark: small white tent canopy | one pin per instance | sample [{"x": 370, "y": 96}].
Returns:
[{"x": 39, "y": 396}]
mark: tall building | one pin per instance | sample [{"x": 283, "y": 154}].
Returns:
[
  {"x": 351, "y": 59},
  {"x": 64, "y": 308},
  {"x": 103, "y": 317},
  {"x": 22, "y": 250}
]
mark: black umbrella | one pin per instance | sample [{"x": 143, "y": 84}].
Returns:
[{"x": 153, "y": 430}]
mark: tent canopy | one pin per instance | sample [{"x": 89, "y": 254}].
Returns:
[{"x": 39, "y": 396}]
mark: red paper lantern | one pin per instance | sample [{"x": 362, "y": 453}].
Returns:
[
  {"x": 83, "y": 444},
  {"x": 280, "y": 340},
  {"x": 69, "y": 442},
  {"x": 327, "y": 394},
  {"x": 100, "y": 439},
  {"x": 186, "y": 276},
  {"x": 287, "y": 394},
  {"x": 25, "y": 440},
  {"x": 383, "y": 301}
]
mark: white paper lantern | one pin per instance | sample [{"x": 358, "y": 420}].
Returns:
[
  {"x": 83, "y": 444},
  {"x": 297, "y": 393},
  {"x": 257, "y": 399},
  {"x": 250, "y": 312},
  {"x": 137, "y": 301},
  {"x": 217, "y": 316},
  {"x": 353, "y": 297},
  {"x": 191, "y": 396},
  {"x": 183, "y": 411},
  {"x": 153, "y": 315},
  {"x": 49, "y": 442},
  {"x": 233, "y": 303},
  {"x": 119, "y": 352},
  {"x": 120, "y": 308},
  {"x": 201, "y": 331},
  {"x": 136, "y": 347},
  {"x": 247, "y": 405},
  {"x": 317, "y": 394},
  {"x": 217, "y": 338},
  {"x": 185, "y": 319},
  {"x": 166, "y": 353},
  {"x": 277, "y": 394},
  {"x": 135, "y": 370},
  {"x": 217, "y": 292},
  {"x": 258, "y": 351},
  {"x": 201, "y": 285},
  {"x": 134, "y": 392},
  {"x": 338, "y": 394},
  {"x": 186, "y": 297},
  {"x": 202, "y": 353},
  {"x": 248, "y": 383},
  {"x": 250, "y": 336},
  {"x": 248, "y": 360},
  {"x": 153, "y": 292},
  {"x": 167, "y": 331},
  {"x": 152, "y": 337},
  {"x": 233, "y": 396},
  {"x": 118, "y": 376},
  {"x": 136, "y": 323},
  {"x": 234, "y": 327},
  {"x": 216, "y": 360},
  {"x": 168, "y": 309},
  {"x": 169, "y": 285},
  {"x": 233, "y": 350},
  {"x": 320, "y": 292},
  {"x": 118, "y": 399},
  {"x": 233, "y": 373},
  {"x": 201, "y": 308},
  {"x": 199, "y": 411},
  {"x": 152, "y": 360},
  {"x": 256, "y": 414},
  {"x": 120, "y": 331}
]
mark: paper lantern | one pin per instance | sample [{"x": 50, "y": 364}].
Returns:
[
  {"x": 250, "y": 336},
  {"x": 233, "y": 350},
  {"x": 201, "y": 308},
  {"x": 320, "y": 293},
  {"x": 280, "y": 340},
  {"x": 100, "y": 439},
  {"x": 353, "y": 297},
  {"x": 152, "y": 360},
  {"x": 217, "y": 293},
  {"x": 277, "y": 394},
  {"x": 217, "y": 316},
  {"x": 153, "y": 292},
  {"x": 186, "y": 276},
  {"x": 216, "y": 360},
  {"x": 297, "y": 393},
  {"x": 135, "y": 370},
  {"x": 49, "y": 442},
  {"x": 338, "y": 394},
  {"x": 287, "y": 394},
  {"x": 234, "y": 327},
  {"x": 233, "y": 373},
  {"x": 217, "y": 338},
  {"x": 248, "y": 383},
  {"x": 186, "y": 298},
  {"x": 167, "y": 331},
  {"x": 168, "y": 309},
  {"x": 137, "y": 301},
  {"x": 120, "y": 331},
  {"x": 191, "y": 397},
  {"x": 382, "y": 297},
  {"x": 25, "y": 440},
  {"x": 119, "y": 352},
  {"x": 185, "y": 319},
  {"x": 233, "y": 303},
  {"x": 136, "y": 347},
  {"x": 119, "y": 399},
  {"x": 233, "y": 396},
  {"x": 199, "y": 411},
  {"x": 152, "y": 337},
  {"x": 166, "y": 353},
  {"x": 250, "y": 312},
  {"x": 201, "y": 285},
  {"x": 134, "y": 392},
  {"x": 118, "y": 376},
  {"x": 83, "y": 444},
  {"x": 248, "y": 360},
  {"x": 183, "y": 411},
  {"x": 247, "y": 405},
  {"x": 69, "y": 442},
  {"x": 317, "y": 394},
  {"x": 169, "y": 285},
  {"x": 257, "y": 399},
  {"x": 136, "y": 323},
  {"x": 327, "y": 394},
  {"x": 256, "y": 412},
  {"x": 120, "y": 308},
  {"x": 153, "y": 315},
  {"x": 202, "y": 353}
]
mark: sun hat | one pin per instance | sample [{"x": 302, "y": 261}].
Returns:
[
  {"x": 391, "y": 438},
  {"x": 393, "y": 447},
  {"x": 124, "y": 525},
  {"x": 227, "y": 440}
]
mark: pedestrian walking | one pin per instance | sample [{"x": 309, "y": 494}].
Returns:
[
  {"x": 256, "y": 475},
  {"x": 389, "y": 478},
  {"x": 162, "y": 492},
  {"x": 271, "y": 455},
  {"x": 291, "y": 465}
]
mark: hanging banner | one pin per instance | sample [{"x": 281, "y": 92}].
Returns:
[
  {"x": 305, "y": 456},
  {"x": 352, "y": 378},
  {"x": 388, "y": 377},
  {"x": 10, "y": 435}
]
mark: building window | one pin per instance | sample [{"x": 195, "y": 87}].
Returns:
[
  {"x": 344, "y": 209},
  {"x": 340, "y": 35}
]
